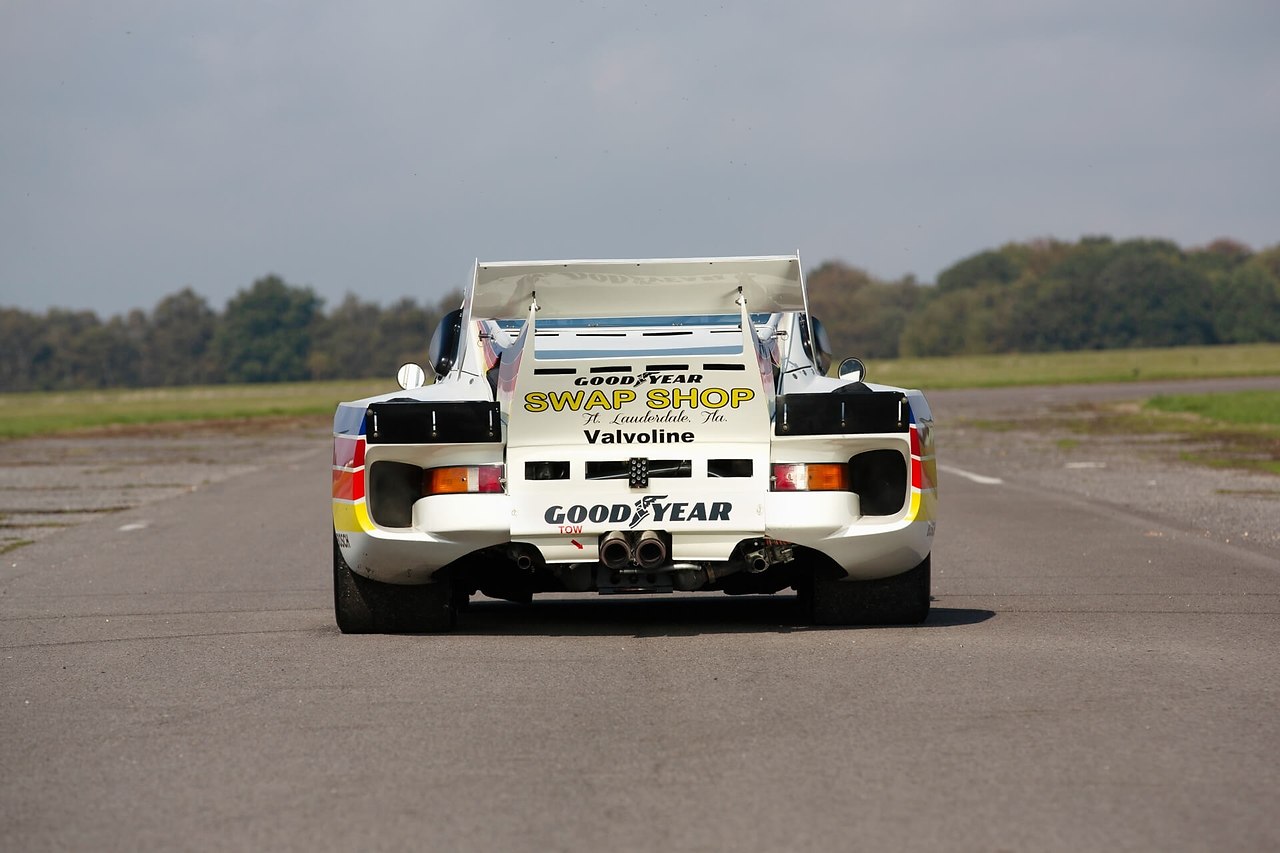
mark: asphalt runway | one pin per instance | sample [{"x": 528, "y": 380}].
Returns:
[{"x": 1099, "y": 673}]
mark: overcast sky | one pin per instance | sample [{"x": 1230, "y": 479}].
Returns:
[{"x": 380, "y": 147}]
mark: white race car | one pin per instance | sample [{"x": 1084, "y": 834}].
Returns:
[{"x": 632, "y": 426}]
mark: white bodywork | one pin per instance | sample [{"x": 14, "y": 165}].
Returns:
[{"x": 594, "y": 363}]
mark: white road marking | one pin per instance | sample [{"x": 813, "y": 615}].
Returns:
[
  {"x": 137, "y": 525},
  {"x": 969, "y": 475},
  {"x": 1086, "y": 465}
]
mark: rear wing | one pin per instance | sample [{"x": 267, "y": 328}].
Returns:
[{"x": 636, "y": 288}]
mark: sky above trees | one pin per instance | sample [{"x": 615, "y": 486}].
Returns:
[{"x": 379, "y": 148}]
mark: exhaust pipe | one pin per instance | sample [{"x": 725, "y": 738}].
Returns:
[
  {"x": 615, "y": 551},
  {"x": 651, "y": 550},
  {"x": 526, "y": 558},
  {"x": 773, "y": 551}
]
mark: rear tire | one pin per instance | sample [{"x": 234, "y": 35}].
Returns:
[
  {"x": 899, "y": 600},
  {"x": 363, "y": 606}
]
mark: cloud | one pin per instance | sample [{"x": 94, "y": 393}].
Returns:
[{"x": 379, "y": 148}]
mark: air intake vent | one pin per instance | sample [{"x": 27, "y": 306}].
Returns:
[
  {"x": 880, "y": 479},
  {"x": 393, "y": 487},
  {"x": 729, "y": 467},
  {"x": 546, "y": 470},
  {"x": 621, "y": 469}
]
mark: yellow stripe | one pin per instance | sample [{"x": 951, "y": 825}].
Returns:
[
  {"x": 924, "y": 505},
  {"x": 352, "y": 518}
]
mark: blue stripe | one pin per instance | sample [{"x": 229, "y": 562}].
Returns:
[{"x": 349, "y": 420}]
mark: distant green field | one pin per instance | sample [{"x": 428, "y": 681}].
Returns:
[
  {"x": 1239, "y": 407},
  {"x": 1064, "y": 368},
  {"x": 64, "y": 411},
  {"x": 53, "y": 412},
  {"x": 1239, "y": 429}
]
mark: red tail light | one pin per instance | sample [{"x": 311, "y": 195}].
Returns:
[
  {"x": 812, "y": 477},
  {"x": 462, "y": 479}
]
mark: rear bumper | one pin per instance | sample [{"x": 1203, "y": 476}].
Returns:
[
  {"x": 867, "y": 547},
  {"x": 448, "y": 528}
]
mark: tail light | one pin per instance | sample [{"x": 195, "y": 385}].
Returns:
[
  {"x": 462, "y": 479},
  {"x": 812, "y": 477}
]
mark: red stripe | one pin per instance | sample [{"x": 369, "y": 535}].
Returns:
[
  {"x": 348, "y": 452},
  {"x": 917, "y": 477},
  {"x": 348, "y": 485}
]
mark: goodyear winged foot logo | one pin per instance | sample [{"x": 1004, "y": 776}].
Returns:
[{"x": 642, "y": 508}]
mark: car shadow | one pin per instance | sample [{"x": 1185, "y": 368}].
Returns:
[{"x": 651, "y": 616}]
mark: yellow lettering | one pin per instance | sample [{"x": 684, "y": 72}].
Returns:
[
  {"x": 690, "y": 396},
  {"x": 571, "y": 400},
  {"x": 597, "y": 400},
  {"x": 693, "y": 398},
  {"x": 715, "y": 398}
]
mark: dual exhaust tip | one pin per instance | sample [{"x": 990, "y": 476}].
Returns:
[{"x": 648, "y": 551}]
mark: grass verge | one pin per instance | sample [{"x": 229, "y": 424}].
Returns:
[
  {"x": 1064, "y": 368},
  {"x": 1241, "y": 407},
  {"x": 48, "y": 413},
  {"x": 1224, "y": 430},
  {"x": 1241, "y": 429}
]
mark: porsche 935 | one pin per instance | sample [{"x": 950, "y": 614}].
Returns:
[{"x": 633, "y": 426}]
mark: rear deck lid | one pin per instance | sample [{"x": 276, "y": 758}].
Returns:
[{"x": 689, "y": 396}]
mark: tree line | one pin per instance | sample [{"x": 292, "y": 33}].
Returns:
[
  {"x": 269, "y": 332},
  {"x": 1037, "y": 296},
  {"x": 1050, "y": 295}
]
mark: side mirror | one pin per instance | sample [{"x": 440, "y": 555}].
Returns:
[
  {"x": 819, "y": 349},
  {"x": 443, "y": 352},
  {"x": 852, "y": 370},
  {"x": 411, "y": 376}
]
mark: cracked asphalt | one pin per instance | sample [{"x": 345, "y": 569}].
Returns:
[
  {"x": 50, "y": 484},
  {"x": 1143, "y": 474}
]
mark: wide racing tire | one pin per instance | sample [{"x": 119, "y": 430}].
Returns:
[
  {"x": 899, "y": 600},
  {"x": 363, "y": 606}
]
